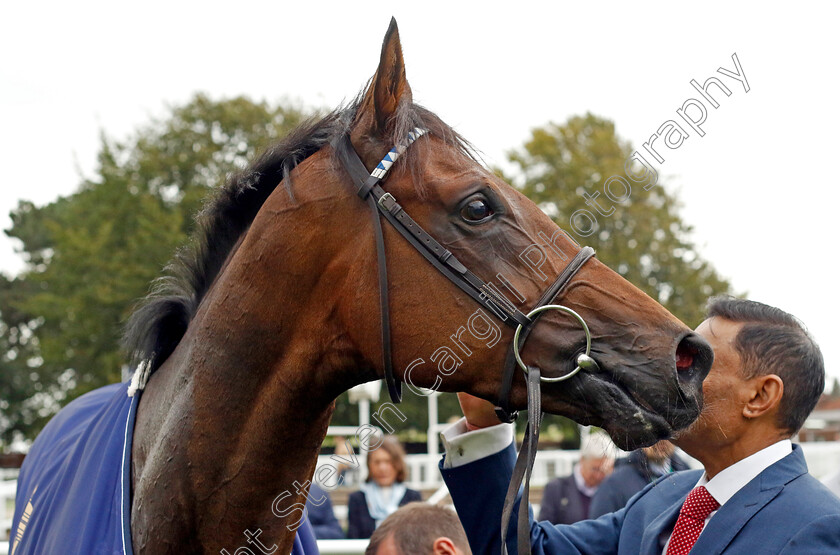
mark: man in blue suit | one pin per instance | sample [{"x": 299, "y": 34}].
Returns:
[{"x": 756, "y": 491}]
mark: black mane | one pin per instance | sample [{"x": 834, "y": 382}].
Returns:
[{"x": 160, "y": 321}]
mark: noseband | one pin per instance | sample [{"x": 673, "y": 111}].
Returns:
[{"x": 368, "y": 189}]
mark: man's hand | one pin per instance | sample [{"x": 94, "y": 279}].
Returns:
[{"x": 479, "y": 413}]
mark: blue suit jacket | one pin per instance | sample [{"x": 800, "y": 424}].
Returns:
[{"x": 782, "y": 510}]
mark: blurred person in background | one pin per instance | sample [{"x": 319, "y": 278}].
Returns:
[
  {"x": 567, "y": 500},
  {"x": 382, "y": 493},
  {"x": 342, "y": 451}
]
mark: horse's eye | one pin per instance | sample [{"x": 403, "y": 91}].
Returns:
[{"x": 476, "y": 211}]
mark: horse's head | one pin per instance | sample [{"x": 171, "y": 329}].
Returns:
[
  {"x": 275, "y": 310},
  {"x": 310, "y": 294},
  {"x": 650, "y": 365}
]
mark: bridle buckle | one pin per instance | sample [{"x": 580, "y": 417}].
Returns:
[{"x": 387, "y": 201}]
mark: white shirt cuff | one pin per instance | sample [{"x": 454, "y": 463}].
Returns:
[{"x": 463, "y": 447}]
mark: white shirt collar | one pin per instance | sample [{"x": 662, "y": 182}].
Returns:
[{"x": 731, "y": 479}]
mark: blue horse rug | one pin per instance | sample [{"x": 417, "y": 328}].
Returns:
[{"x": 74, "y": 489}]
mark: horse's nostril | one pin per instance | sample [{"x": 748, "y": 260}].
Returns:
[
  {"x": 685, "y": 355},
  {"x": 693, "y": 359}
]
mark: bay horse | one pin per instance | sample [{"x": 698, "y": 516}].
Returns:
[{"x": 276, "y": 309}]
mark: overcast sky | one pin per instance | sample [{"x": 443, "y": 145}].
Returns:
[{"x": 760, "y": 188}]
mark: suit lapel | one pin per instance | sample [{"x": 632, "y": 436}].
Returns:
[
  {"x": 728, "y": 521},
  {"x": 734, "y": 515},
  {"x": 650, "y": 539}
]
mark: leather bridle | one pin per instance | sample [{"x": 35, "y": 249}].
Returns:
[{"x": 381, "y": 202}]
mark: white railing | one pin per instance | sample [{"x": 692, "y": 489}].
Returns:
[
  {"x": 7, "y": 503},
  {"x": 338, "y": 547}
]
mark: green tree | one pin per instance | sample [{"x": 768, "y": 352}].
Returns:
[
  {"x": 23, "y": 395},
  {"x": 89, "y": 256},
  {"x": 644, "y": 239}
]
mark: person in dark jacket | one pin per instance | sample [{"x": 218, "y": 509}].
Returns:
[
  {"x": 566, "y": 500},
  {"x": 631, "y": 475},
  {"x": 319, "y": 509},
  {"x": 382, "y": 493}
]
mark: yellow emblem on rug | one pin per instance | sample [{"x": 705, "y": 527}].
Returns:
[{"x": 24, "y": 519}]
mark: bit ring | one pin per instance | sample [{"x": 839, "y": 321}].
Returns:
[{"x": 584, "y": 360}]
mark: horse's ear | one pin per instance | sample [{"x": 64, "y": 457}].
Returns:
[{"x": 389, "y": 86}]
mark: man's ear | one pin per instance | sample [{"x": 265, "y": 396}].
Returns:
[
  {"x": 444, "y": 546},
  {"x": 767, "y": 393},
  {"x": 389, "y": 87}
]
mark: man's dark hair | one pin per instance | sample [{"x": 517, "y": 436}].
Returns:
[
  {"x": 771, "y": 341},
  {"x": 416, "y": 526}
]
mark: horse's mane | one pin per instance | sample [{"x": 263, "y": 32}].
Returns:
[{"x": 160, "y": 320}]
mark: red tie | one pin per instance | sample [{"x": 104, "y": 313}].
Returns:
[{"x": 697, "y": 507}]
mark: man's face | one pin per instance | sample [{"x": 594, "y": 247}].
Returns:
[
  {"x": 595, "y": 470},
  {"x": 724, "y": 392},
  {"x": 381, "y": 468}
]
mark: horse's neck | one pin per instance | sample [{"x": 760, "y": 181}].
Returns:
[
  {"x": 235, "y": 417},
  {"x": 226, "y": 432}
]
